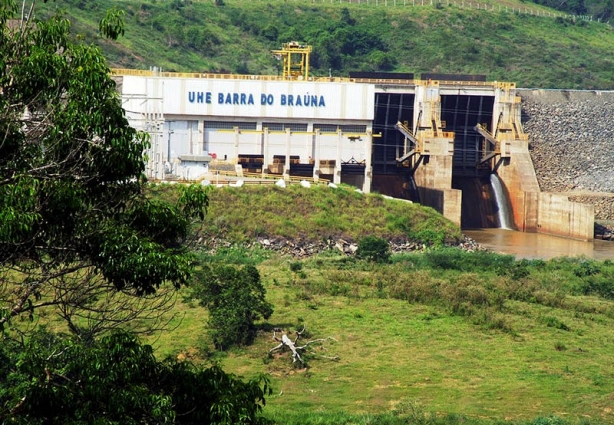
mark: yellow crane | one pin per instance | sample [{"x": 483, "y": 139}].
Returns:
[{"x": 295, "y": 58}]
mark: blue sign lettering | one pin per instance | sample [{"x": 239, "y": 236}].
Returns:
[
  {"x": 292, "y": 100},
  {"x": 199, "y": 97}
]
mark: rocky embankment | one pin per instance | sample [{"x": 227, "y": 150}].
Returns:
[
  {"x": 304, "y": 248},
  {"x": 572, "y": 143}
]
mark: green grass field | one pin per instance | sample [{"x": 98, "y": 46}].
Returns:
[{"x": 549, "y": 355}]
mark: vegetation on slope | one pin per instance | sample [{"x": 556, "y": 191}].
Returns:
[
  {"x": 188, "y": 36},
  {"x": 443, "y": 333},
  {"x": 318, "y": 214}
]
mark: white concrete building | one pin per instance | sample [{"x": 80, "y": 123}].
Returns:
[{"x": 272, "y": 126}]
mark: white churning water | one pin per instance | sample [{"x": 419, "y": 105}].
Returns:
[{"x": 503, "y": 213}]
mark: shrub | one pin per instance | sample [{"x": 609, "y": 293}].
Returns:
[
  {"x": 428, "y": 237},
  {"x": 587, "y": 268},
  {"x": 235, "y": 299},
  {"x": 296, "y": 266},
  {"x": 559, "y": 346},
  {"x": 372, "y": 248},
  {"x": 603, "y": 288},
  {"x": 479, "y": 261},
  {"x": 553, "y": 322},
  {"x": 56, "y": 379}
]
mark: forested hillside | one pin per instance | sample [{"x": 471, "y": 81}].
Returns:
[
  {"x": 507, "y": 41},
  {"x": 599, "y": 10}
]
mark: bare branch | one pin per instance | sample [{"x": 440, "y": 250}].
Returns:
[{"x": 287, "y": 342}]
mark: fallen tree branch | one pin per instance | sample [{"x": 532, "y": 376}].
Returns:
[{"x": 285, "y": 341}]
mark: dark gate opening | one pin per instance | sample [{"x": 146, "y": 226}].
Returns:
[
  {"x": 461, "y": 113},
  {"x": 388, "y": 145}
]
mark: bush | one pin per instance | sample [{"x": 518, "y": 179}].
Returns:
[
  {"x": 479, "y": 261},
  {"x": 235, "y": 299},
  {"x": 587, "y": 268},
  {"x": 372, "y": 248},
  {"x": 428, "y": 237},
  {"x": 553, "y": 322}
]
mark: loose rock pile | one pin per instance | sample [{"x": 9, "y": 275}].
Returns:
[
  {"x": 604, "y": 230},
  {"x": 299, "y": 248},
  {"x": 603, "y": 203},
  {"x": 572, "y": 144}
]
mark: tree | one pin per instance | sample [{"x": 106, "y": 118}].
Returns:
[
  {"x": 79, "y": 233},
  {"x": 235, "y": 299},
  {"x": 77, "y": 229},
  {"x": 270, "y": 32},
  {"x": 53, "y": 379}
]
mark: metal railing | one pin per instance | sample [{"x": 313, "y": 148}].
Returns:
[
  {"x": 206, "y": 75},
  {"x": 376, "y": 81},
  {"x": 269, "y": 178}
]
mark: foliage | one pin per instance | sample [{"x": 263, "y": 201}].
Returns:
[
  {"x": 235, "y": 299},
  {"x": 112, "y": 25},
  {"x": 53, "y": 379},
  {"x": 372, "y": 248},
  {"x": 237, "y": 255},
  {"x": 528, "y": 48},
  {"x": 75, "y": 222}
]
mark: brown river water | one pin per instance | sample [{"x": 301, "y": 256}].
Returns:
[{"x": 536, "y": 245}]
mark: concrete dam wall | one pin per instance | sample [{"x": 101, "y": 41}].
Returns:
[
  {"x": 418, "y": 138},
  {"x": 457, "y": 136}
]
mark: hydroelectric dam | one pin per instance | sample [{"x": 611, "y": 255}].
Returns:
[{"x": 442, "y": 140}]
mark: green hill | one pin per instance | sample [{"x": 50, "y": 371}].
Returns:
[{"x": 507, "y": 41}]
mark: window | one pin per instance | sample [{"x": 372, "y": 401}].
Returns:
[
  {"x": 226, "y": 125},
  {"x": 279, "y": 126},
  {"x": 333, "y": 128}
]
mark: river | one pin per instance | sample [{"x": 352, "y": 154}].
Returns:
[{"x": 537, "y": 245}]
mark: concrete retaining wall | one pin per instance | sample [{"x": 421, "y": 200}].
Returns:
[{"x": 560, "y": 217}]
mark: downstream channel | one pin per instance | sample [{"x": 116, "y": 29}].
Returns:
[
  {"x": 493, "y": 229},
  {"x": 537, "y": 245}
]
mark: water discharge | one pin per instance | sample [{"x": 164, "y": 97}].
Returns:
[{"x": 503, "y": 213}]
